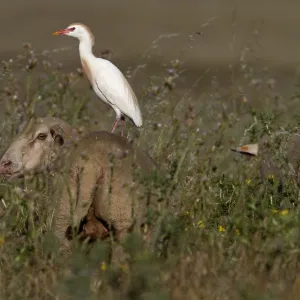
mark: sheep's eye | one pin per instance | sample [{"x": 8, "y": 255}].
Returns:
[{"x": 42, "y": 136}]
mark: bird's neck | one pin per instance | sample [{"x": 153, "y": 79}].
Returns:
[{"x": 86, "y": 49}]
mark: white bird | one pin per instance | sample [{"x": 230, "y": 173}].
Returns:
[{"x": 108, "y": 82}]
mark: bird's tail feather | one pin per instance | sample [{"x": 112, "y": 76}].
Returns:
[{"x": 138, "y": 119}]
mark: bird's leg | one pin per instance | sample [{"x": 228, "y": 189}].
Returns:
[
  {"x": 115, "y": 125},
  {"x": 123, "y": 125}
]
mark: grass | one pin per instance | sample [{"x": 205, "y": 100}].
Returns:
[{"x": 226, "y": 234}]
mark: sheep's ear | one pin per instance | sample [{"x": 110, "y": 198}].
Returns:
[
  {"x": 59, "y": 139},
  {"x": 57, "y": 134}
]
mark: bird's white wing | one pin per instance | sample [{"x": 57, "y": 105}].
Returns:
[{"x": 114, "y": 87}]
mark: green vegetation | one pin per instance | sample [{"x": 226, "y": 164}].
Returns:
[{"x": 225, "y": 234}]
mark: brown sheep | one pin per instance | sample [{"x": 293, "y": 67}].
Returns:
[{"x": 100, "y": 172}]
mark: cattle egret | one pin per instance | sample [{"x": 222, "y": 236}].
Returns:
[{"x": 109, "y": 84}]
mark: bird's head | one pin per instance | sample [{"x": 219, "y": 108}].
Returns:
[{"x": 77, "y": 30}]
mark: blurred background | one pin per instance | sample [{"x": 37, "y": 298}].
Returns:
[{"x": 128, "y": 28}]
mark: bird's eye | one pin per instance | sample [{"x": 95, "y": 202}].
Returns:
[
  {"x": 72, "y": 28},
  {"x": 42, "y": 136}
]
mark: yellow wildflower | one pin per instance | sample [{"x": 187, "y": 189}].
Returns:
[
  {"x": 284, "y": 212},
  {"x": 1, "y": 240},
  {"x": 201, "y": 224},
  {"x": 271, "y": 178},
  {"x": 103, "y": 266},
  {"x": 248, "y": 181},
  {"x": 221, "y": 228}
]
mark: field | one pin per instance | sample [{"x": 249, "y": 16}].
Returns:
[{"x": 223, "y": 77}]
